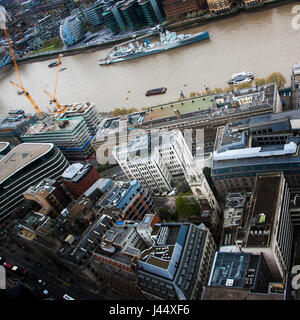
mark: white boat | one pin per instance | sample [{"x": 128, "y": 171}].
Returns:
[
  {"x": 240, "y": 76},
  {"x": 241, "y": 80}
]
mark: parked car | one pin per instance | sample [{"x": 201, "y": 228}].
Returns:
[{"x": 7, "y": 265}]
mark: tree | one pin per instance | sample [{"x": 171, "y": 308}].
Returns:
[
  {"x": 244, "y": 86},
  {"x": 260, "y": 82},
  {"x": 218, "y": 90},
  {"x": 278, "y": 78}
]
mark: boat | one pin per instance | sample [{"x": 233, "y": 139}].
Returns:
[
  {"x": 53, "y": 64},
  {"x": 155, "y": 91},
  {"x": 140, "y": 47},
  {"x": 62, "y": 69},
  {"x": 238, "y": 81},
  {"x": 241, "y": 75}
]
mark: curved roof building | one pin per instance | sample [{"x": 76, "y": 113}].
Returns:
[
  {"x": 71, "y": 30},
  {"x": 24, "y": 166}
]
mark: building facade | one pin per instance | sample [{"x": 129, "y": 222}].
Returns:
[
  {"x": 266, "y": 143},
  {"x": 70, "y": 135},
  {"x": 79, "y": 177},
  {"x": 24, "y": 166},
  {"x": 178, "y": 264}
]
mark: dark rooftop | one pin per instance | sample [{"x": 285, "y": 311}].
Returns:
[
  {"x": 264, "y": 206},
  {"x": 234, "y": 270}
]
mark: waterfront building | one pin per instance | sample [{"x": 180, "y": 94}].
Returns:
[
  {"x": 24, "y": 166},
  {"x": 71, "y": 135},
  {"x": 151, "y": 10},
  {"x": 241, "y": 276},
  {"x": 249, "y": 3},
  {"x": 132, "y": 15},
  {"x": 87, "y": 111},
  {"x": 71, "y": 30},
  {"x": 49, "y": 195},
  {"x": 178, "y": 264},
  {"x": 79, "y": 177},
  {"x": 182, "y": 8},
  {"x": 114, "y": 19},
  {"x": 267, "y": 143},
  {"x": 14, "y": 125},
  {"x": 94, "y": 13},
  {"x": 220, "y": 6}
]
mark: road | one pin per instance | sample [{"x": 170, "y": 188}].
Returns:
[{"x": 54, "y": 279}]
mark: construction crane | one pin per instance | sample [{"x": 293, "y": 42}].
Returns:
[
  {"x": 19, "y": 85},
  {"x": 59, "y": 108}
]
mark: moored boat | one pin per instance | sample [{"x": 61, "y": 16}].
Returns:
[
  {"x": 141, "y": 47},
  {"x": 155, "y": 91}
]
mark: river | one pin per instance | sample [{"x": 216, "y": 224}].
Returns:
[{"x": 262, "y": 42}]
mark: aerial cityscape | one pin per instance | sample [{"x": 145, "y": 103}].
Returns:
[{"x": 150, "y": 150}]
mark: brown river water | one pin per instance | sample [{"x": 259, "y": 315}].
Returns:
[{"x": 262, "y": 42}]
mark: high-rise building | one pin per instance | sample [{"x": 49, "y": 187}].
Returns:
[
  {"x": 14, "y": 125},
  {"x": 155, "y": 159},
  {"x": 71, "y": 135},
  {"x": 24, "y": 166},
  {"x": 87, "y": 111},
  {"x": 267, "y": 143},
  {"x": 263, "y": 225},
  {"x": 71, "y": 30},
  {"x": 241, "y": 276},
  {"x": 79, "y": 177},
  {"x": 178, "y": 264},
  {"x": 270, "y": 228}
]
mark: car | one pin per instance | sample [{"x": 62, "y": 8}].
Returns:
[
  {"x": 7, "y": 265},
  {"x": 42, "y": 282},
  {"x": 67, "y": 297},
  {"x": 45, "y": 292},
  {"x": 15, "y": 268}
]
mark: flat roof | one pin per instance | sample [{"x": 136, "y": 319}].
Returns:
[
  {"x": 184, "y": 107},
  {"x": 20, "y": 157},
  {"x": 265, "y": 197}
]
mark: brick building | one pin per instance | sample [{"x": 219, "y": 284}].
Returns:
[
  {"x": 79, "y": 177},
  {"x": 174, "y": 8}
]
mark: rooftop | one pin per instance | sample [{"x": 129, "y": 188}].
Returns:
[
  {"x": 20, "y": 157},
  {"x": 234, "y": 270},
  {"x": 76, "y": 172},
  {"x": 216, "y": 293},
  {"x": 182, "y": 107},
  {"x": 265, "y": 195},
  {"x": 51, "y": 125}
]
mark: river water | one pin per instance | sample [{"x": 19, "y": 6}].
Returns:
[{"x": 262, "y": 42}]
